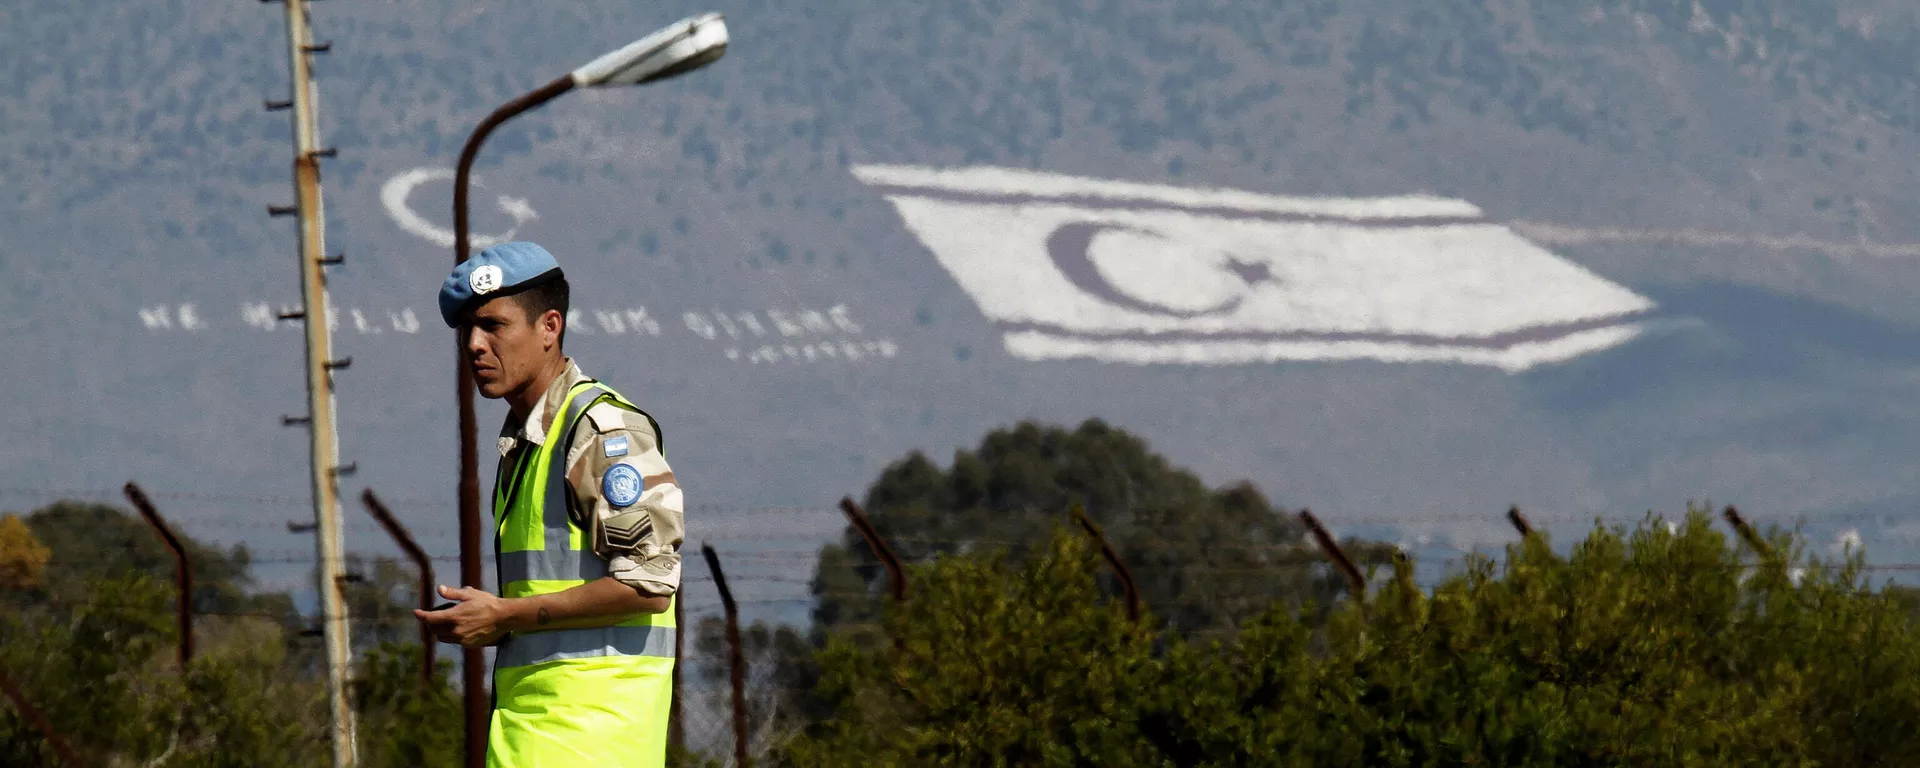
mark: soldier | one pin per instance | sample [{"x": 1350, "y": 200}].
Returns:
[{"x": 589, "y": 524}]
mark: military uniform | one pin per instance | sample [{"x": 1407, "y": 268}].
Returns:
[
  {"x": 640, "y": 541},
  {"x": 598, "y": 696},
  {"x": 583, "y": 492}
]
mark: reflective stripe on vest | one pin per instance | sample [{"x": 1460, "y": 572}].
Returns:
[
  {"x": 542, "y": 647},
  {"x": 548, "y": 553},
  {"x": 537, "y": 566}
]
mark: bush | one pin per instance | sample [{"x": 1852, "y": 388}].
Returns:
[{"x": 1653, "y": 646}]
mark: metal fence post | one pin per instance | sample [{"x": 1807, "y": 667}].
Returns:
[
  {"x": 182, "y": 570},
  {"x": 1355, "y": 583},
  {"x": 1520, "y": 522},
  {"x": 1127, "y": 584},
  {"x": 419, "y": 557},
  {"x": 1746, "y": 532},
  {"x": 895, "y": 573},
  {"x": 39, "y": 721},
  {"x": 736, "y": 658}
]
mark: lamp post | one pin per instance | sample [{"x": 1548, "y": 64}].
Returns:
[{"x": 673, "y": 50}]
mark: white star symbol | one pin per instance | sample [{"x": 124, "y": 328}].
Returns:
[
  {"x": 1251, "y": 272},
  {"x": 518, "y": 208}
]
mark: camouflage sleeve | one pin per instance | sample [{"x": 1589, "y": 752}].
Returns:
[{"x": 633, "y": 512}]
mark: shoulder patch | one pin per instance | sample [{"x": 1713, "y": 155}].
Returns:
[
  {"x": 622, "y": 485},
  {"x": 616, "y": 446}
]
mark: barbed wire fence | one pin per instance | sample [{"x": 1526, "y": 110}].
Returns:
[{"x": 770, "y": 576}]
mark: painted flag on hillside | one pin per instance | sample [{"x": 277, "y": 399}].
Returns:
[{"x": 1137, "y": 273}]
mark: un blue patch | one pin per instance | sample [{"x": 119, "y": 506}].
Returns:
[{"x": 622, "y": 485}]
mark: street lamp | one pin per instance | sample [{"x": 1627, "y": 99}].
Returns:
[{"x": 676, "y": 49}]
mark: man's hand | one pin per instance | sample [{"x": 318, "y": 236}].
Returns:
[
  {"x": 476, "y": 621},
  {"x": 481, "y": 619}
]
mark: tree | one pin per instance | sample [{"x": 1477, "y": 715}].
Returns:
[
  {"x": 403, "y": 722},
  {"x": 23, "y": 559},
  {"x": 1644, "y": 647},
  {"x": 101, "y": 669},
  {"x": 80, "y": 668},
  {"x": 381, "y": 602},
  {"x": 1203, "y": 558},
  {"x": 780, "y": 669},
  {"x": 95, "y": 652},
  {"x": 90, "y": 541},
  {"x": 1000, "y": 662}
]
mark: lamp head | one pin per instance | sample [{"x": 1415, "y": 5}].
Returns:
[{"x": 675, "y": 49}]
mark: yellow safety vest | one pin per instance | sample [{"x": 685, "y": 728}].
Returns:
[{"x": 570, "y": 697}]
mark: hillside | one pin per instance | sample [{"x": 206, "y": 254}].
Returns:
[{"x": 136, "y": 164}]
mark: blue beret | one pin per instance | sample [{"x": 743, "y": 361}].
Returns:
[{"x": 503, "y": 270}]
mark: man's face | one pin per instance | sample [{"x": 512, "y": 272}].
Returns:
[{"x": 507, "y": 350}]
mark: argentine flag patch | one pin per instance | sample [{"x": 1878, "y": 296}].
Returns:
[{"x": 616, "y": 446}]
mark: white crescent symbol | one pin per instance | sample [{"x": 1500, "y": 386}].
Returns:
[
  {"x": 393, "y": 196},
  {"x": 1070, "y": 245}
]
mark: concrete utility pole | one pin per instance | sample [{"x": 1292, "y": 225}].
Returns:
[{"x": 325, "y": 454}]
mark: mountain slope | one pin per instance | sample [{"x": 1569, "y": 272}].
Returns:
[{"x": 136, "y": 167}]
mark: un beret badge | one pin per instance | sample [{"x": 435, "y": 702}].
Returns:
[{"x": 485, "y": 280}]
